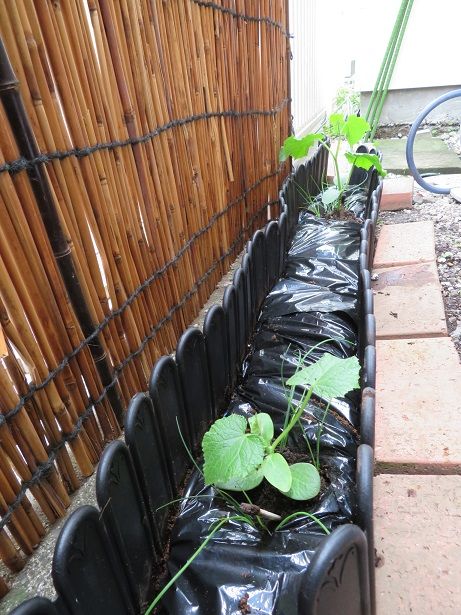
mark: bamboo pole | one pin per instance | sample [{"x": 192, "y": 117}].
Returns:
[{"x": 65, "y": 192}]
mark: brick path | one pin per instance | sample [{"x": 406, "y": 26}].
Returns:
[{"x": 418, "y": 426}]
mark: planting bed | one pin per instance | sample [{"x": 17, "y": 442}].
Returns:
[{"x": 303, "y": 281}]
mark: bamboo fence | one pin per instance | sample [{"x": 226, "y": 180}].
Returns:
[{"x": 156, "y": 127}]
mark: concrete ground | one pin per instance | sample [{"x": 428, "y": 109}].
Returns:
[{"x": 431, "y": 155}]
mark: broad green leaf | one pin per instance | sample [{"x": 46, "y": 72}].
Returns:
[
  {"x": 330, "y": 376},
  {"x": 298, "y": 148},
  {"x": 243, "y": 484},
  {"x": 261, "y": 424},
  {"x": 355, "y": 129},
  {"x": 336, "y": 124},
  {"x": 230, "y": 452},
  {"x": 366, "y": 161},
  {"x": 277, "y": 471},
  {"x": 330, "y": 195},
  {"x": 305, "y": 481}
]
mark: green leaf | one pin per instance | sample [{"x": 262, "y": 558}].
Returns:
[
  {"x": 366, "y": 161},
  {"x": 229, "y": 452},
  {"x": 261, "y": 424},
  {"x": 330, "y": 376},
  {"x": 355, "y": 129},
  {"x": 246, "y": 483},
  {"x": 305, "y": 481},
  {"x": 277, "y": 471},
  {"x": 298, "y": 148},
  {"x": 330, "y": 195},
  {"x": 336, "y": 124}
]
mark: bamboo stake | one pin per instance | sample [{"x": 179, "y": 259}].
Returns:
[{"x": 8, "y": 553}]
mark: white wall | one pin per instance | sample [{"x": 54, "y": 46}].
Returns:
[
  {"x": 307, "y": 104},
  {"x": 321, "y": 59},
  {"x": 314, "y": 79},
  {"x": 329, "y": 34},
  {"x": 430, "y": 52}
]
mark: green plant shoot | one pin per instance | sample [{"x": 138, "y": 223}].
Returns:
[
  {"x": 240, "y": 453},
  {"x": 353, "y": 129},
  {"x": 218, "y": 525}
]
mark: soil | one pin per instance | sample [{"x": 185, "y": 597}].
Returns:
[
  {"x": 390, "y": 131},
  {"x": 445, "y": 212},
  {"x": 338, "y": 416},
  {"x": 159, "y": 571},
  {"x": 379, "y": 559},
  {"x": 343, "y": 215},
  {"x": 244, "y": 607}
]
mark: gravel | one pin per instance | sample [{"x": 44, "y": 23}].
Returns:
[
  {"x": 445, "y": 212},
  {"x": 450, "y": 133},
  {"x": 453, "y": 139}
]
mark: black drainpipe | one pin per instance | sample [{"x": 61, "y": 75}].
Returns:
[{"x": 17, "y": 116}]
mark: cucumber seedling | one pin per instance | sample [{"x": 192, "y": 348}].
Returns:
[
  {"x": 239, "y": 453},
  {"x": 351, "y": 129}
]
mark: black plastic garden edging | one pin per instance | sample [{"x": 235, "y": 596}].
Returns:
[{"x": 301, "y": 280}]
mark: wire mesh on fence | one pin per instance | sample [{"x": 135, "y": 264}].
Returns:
[{"x": 158, "y": 127}]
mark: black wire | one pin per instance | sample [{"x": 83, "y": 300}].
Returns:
[
  {"x": 33, "y": 388},
  {"x": 44, "y": 468},
  {"x": 21, "y": 164},
  {"x": 253, "y": 18}
]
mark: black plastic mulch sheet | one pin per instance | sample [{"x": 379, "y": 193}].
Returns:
[
  {"x": 291, "y": 296},
  {"x": 316, "y": 302},
  {"x": 318, "y": 238},
  {"x": 240, "y": 561},
  {"x": 339, "y": 276},
  {"x": 279, "y": 344},
  {"x": 325, "y": 255}
]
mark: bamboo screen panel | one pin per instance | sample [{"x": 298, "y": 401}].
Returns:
[{"x": 157, "y": 125}]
